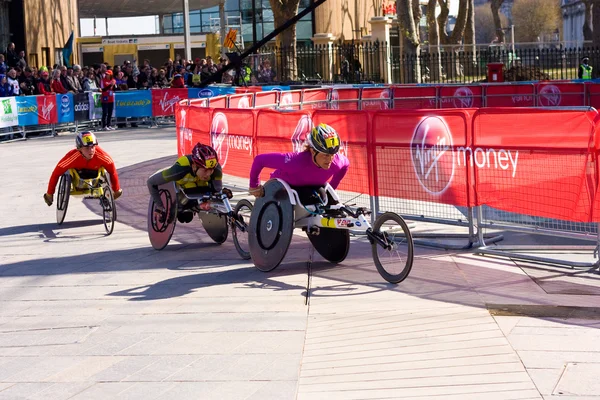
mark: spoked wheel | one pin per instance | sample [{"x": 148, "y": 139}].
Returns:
[
  {"x": 242, "y": 212},
  {"x": 109, "y": 212},
  {"x": 62, "y": 202},
  {"x": 394, "y": 260},
  {"x": 161, "y": 227}
]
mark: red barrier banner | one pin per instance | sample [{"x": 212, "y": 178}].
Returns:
[
  {"x": 266, "y": 99},
  {"x": 535, "y": 164},
  {"x": 290, "y": 100},
  {"x": 217, "y": 102},
  {"x": 278, "y": 132},
  {"x": 231, "y": 134},
  {"x": 508, "y": 95},
  {"x": 551, "y": 94},
  {"x": 375, "y": 98},
  {"x": 241, "y": 101},
  {"x": 344, "y": 99},
  {"x": 164, "y": 100},
  {"x": 461, "y": 96},
  {"x": 414, "y": 97},
  {"x": 47, "y": 111},
  {"x": 417, "y": 156},
  {"x": 593, "y": 94},
  {"x": 353, "y": 128},
  {"x": 199, "y": 123},
  {"x": 315, "y": 98},
  {"x": 184, "y": 133}
]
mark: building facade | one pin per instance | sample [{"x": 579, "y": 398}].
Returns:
[
  {"x": 573, "y": 12},
  {"x": 40, "y": 28}
]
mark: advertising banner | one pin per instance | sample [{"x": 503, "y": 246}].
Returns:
[
  {"x": 81, "y": 107},
  {"x": 134, "y": 103},
  {"x": 164, "y": 100},
  {"x": 47, "y": 110},
  {"x": 65, "y": 108},
  {"x": 27, "y": 107},
  {"x": 9, "y": 115},
  {"x": 96, "y": 105}
]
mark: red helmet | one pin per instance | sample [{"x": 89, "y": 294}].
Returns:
[{"x": 204, "y": 156}]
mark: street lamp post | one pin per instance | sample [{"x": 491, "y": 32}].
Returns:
[{"x": 186, "y": 30}]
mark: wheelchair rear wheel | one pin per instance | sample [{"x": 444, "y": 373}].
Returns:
[
  {"x": 62, "y": 201},
  {"x": 241, "y": 212},
  {"x": 109, "y": 212},
  {"x": 395, "y": 260}
]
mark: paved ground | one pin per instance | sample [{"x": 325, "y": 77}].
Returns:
[{"x": 84, "y": 316}]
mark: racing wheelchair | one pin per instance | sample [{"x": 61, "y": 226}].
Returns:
[
  {"x": 328, "y": 227},
  {"x": 91, "y": 185},
  {"x": 213, "y": 209}
]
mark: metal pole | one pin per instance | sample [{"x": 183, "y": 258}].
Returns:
[
  {"x": 186, "y": 30},
  {"x": 106, "y": 25},
  {"x": 253, "y": 22},
  {"x": 512, "y": 38},
  {"x": 223, "y": 27}
]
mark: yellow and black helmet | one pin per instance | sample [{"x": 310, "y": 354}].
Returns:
[{"x": 324, "y": 139}]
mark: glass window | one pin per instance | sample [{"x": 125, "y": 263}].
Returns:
[
  {"x": 303, "y": 30},
  {"x": 212, "y": 9},
  {"x": 177, "y": 21},
  {"x": 267, "y": 15},
  {"x": 304, "y": 4},
  {"x": 195, "y": 19},
  {"x": 231, "y": 5},
  {"x": 268, "y": 27},
  {"x": 307, "y": 17},
  {"x": 206, "y": 23},
  {"x": 168, "y": 22}
]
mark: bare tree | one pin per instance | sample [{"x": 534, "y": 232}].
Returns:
[
  {"x": 485, "y": 32},
  {"x": 535, "y": 18},
  {"x": 587, "y": 24},
  {"x": 435, "y": 66},
  {"x": 409, "y": 34},
  {"x": 596, "y": 22},
  {"x": 456, "y": 37},
  {"x": 283, "y": 10},
  {"x": 496, "y": 4},
  {"x": 592, "y": 19}
]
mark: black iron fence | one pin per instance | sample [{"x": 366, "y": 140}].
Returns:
[{"x": 379, "y": 62}]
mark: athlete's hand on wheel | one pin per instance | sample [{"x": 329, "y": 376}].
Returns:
[
  {"x": 227, "y": 193},
  {"x": 258, "y": 191},
  {"x": 48, "y": 198},
  {"x": 160, "y": 211},
  {"x": 118, "y": 193}
]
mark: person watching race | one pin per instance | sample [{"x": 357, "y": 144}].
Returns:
[
  {"x": 198, "y": 172},
  {"x": 307, "y": 171},
  {"x": 86, "y": 159}
]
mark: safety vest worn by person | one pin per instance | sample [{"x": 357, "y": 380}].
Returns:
[
  {"x": 587, "y": 71},
  {"x": 246, "y": 72}
]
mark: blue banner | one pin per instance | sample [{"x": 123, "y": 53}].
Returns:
[
  {"x": 135, "y": 103},
  {"x": 269, "y": 88},
  {"x": 27, "y": 107},
  {"x": 64, "y": 102},
  {"x": 210, "y": 91}
]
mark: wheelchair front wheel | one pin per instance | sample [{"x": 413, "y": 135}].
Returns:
[
  {"x": 62, "y": 201},
  {"x": 393, "y": 260},
  {"x": 241, "y": 212},
  {"x": 109, "y": 212}
]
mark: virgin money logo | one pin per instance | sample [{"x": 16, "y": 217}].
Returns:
[
  {"x": 185, "y": 134},
  {"x": 218, "y": 136},
  {"x": 432, "y": 155},
  {"x": 168, "y": 105},
  {"x": 303, "y": 128},
  {"x": 285, "y": 101},
  {"x": 463, "y": 98},
  {"x": 47, "y": 108},
  {"x": 335, "y": 98},
  {"x": 244, "y": 102},
  {"x": 550, "y": 96}
]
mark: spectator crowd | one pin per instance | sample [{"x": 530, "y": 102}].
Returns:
[{"x": 17, "y": 78}]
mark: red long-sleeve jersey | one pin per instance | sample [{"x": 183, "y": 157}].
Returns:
[{"x": 74, "y": 159}]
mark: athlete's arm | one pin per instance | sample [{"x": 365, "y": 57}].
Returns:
[
  {"x": 338, "y": 176},
  {"x": 107, "y": 162},
  {"x": 62, "y": 166},
  {"x": 217, "y": 179},
  {"x": 270, "y": 160},
  {"x": 173, "y": 173}
]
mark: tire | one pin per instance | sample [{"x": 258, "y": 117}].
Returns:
[
  {"x": 244, "y": 219},
  {"x": 62, "y": 201},
  {"x": 405, "y": 263},
  {"x": 109, "y": 212},
  {"x": 160, "y": 233}
]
